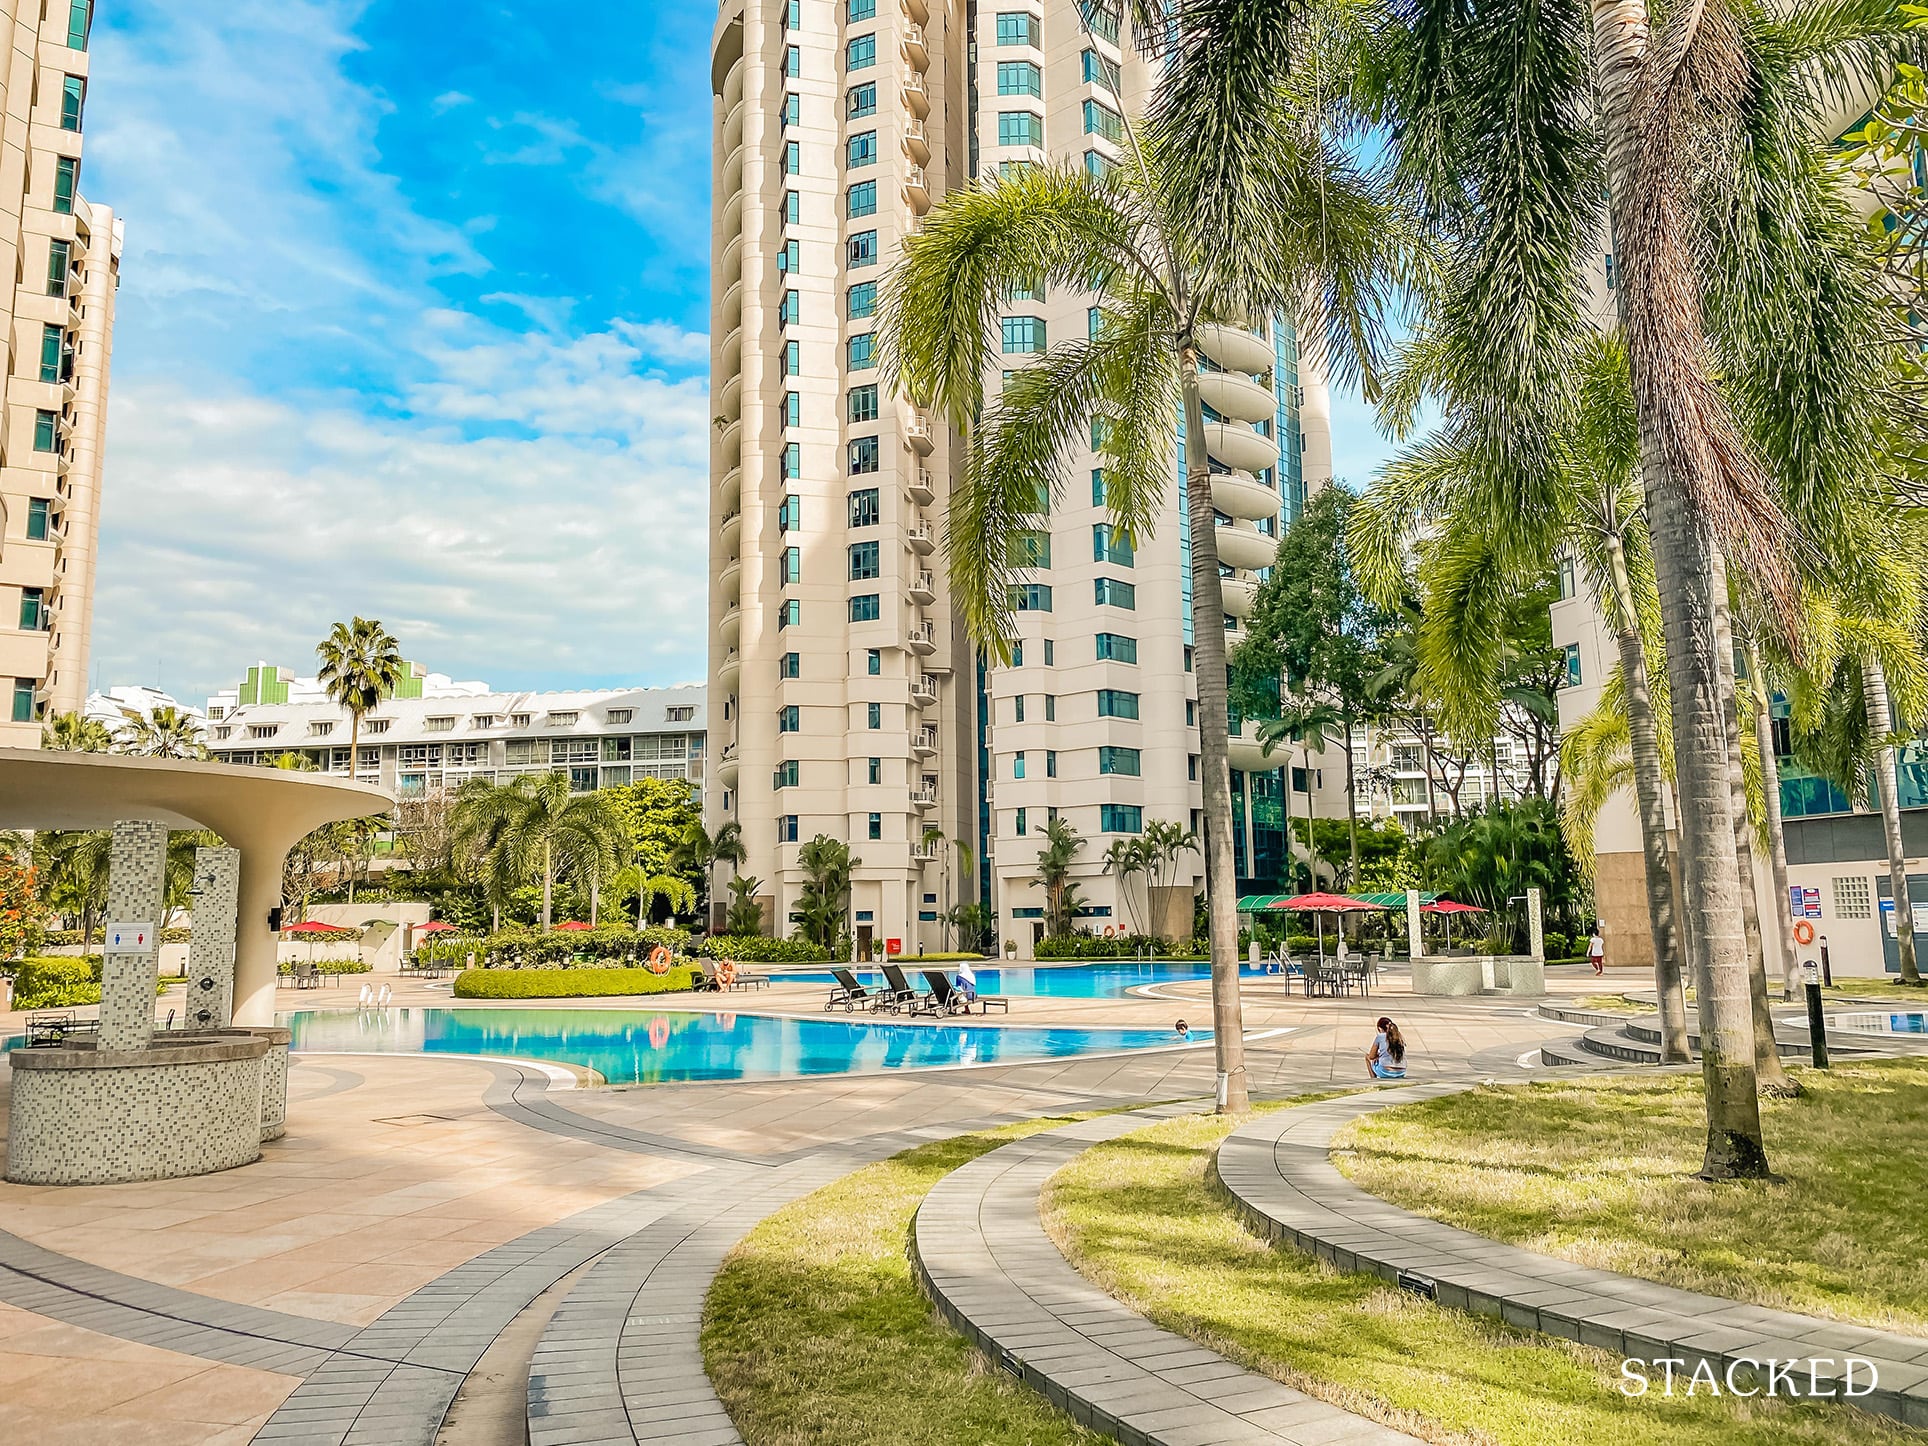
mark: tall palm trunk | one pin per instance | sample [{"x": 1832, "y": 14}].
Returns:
[
  {"x": 1214, "y": 738},
  {"x": 1874, "y": 698},
  {"x": 354, "y": 743},
  {"x": 548, "y": 883},
  {"x": 1352, "y": 810},
  {"x": 1659, "y": 313},
  {"x": 1776, "y": 829},
  {"x": 1649, "y": 782},
  {"x": 595, "y": 898}
]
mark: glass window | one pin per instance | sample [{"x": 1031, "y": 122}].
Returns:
[
  {"x": 33, "y": 613},
  {"x": 1050, "y": 763},
  {"x": 791, "y": 666},
  {"x": 787, "y": 828},
  {"x": 1097, "y": 487},
  {"x": 791, "y": 309},
  {"x": 790, "y": 258},
  {"x": 1018, "y": 28},
  {"x": 793, "y": 15},
  {"x": 1030, "y": 597},
  {"x": 46, "y": 431},
  {"x": 792, "y": 409},
  {"x": 1100, "y": 71},
  {"x": 59, "y": 262},
  {"x": 1113, "y": 593},
  {"x": 1021, "y": 828},
  {"x": 874, "y": 661},
  {"x": 1097, "y": 165},
  {"x": 863, "y": 508},
  {"x": 862, "y": 10},
  {"x": 861, "y": 301},
  {"x": 1100, "y": 18},
  {"x": 860, "y": 53},
  {"x": 792, "y": 460},
  {"x": 1117, "y": 648},
  {"x": 864, "y": 561},
  {"x": 792, "y": 159},
  {"x": 876, "y": 825},
  {"x": 791, "y": 563},
  {"x": 72, "y": 95},
  {"x": 1094, "y": 322},
  {"x": 792, "y": 109},
  {"x": 863, "y": 403},
  {"x": 873, "y": 715},
  {"x": 52, "y": 339},
  {"x": 861, "y": 352},
  {"x": 1030, "y": 549},
  {"x": 1050, "y": 653},
  {"x": 790, "y": 719},
  {"x": 862, "y": 149},
  {"x": 789, "y": 613},
  {"x": 793, "y": 358},
  {"x": 1573, "y": 665},
  {"x": 862, "y": 199},
  {"x": 1019, "y": 77},
  {"x": 792, "y": 208},
  {"x": 24, "y": 710},
  {"x": 80, "y": 14},
  {"x": 1023, "y": 335},
  {"x": 1566, "y": 576},
  {"x": 789, "y": 514},
  {"x": 1050, "y": 708},
  {"x": 863, "y": 100},
  {"x": 1020, "y": 128},
  {"x": 864, "y": 456},
  {"x": 865, "y": 608},
  {"x": 786, "y": 774},
  {"x": 1017, "y": 654},
  {"x": 37, "y": 509},
  {"x": 1118, "y": 760},
  {"x": 1017, "y": 709},
  {"x": 792, "y": 61},
  {"x": 1102, "y": 120},
  {"x": 863, "y": 249},
  {"x": 876, "y": 773},
  {"x": 66, "y": 184},
  {"x": 1108, "y": 545},
  {"x": 1113, "y": 703},
  {"x": 1017, "y": 764},
  {"x": 1120, "y": 818}
]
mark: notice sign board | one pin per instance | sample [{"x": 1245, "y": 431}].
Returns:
[
  {"x": 893, "y": 946},
  {"x": 129, "y": 938},
  {"x": 1803, "y": 903}
]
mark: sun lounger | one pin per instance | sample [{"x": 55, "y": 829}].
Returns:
[
  {"x": 952, "y": 999},
  {"x": 899, "y": 994},
  {"x": 850, "y": 994}
]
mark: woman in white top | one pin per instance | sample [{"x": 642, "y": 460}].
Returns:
[{"x": 1387, "y": 1057}]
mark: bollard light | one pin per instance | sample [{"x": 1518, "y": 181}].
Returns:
[{"x": 1817, "y": 1022}]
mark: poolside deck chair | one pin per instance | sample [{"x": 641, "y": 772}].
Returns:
[
  {"x": 944, "y": 999},
  {"x": 710, "y": 981},
  {"x": 850, "y": 994},
  {"x": 899, "y": 995}
]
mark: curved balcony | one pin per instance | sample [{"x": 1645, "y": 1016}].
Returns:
[
  {"x": 1248, "y": 757},
  {"x": 1238, "y": 446},
  {"x": 731, "y": 177},
  {"x": 729, "y": 356},
  {"x": 1239, "y": 494},
  {"x": 733, "y": 128},
  {"x": 1245, "y": 547},
  {"x": 915, "y": 51},
  {"x": 729, "y": 670},
  {"x": 1238, "y": 593},
  {"x": 729, "y": 398},
  {"x": 731, "y": 627},
  {"x": 729, "y": 492},
  {"x": 729, "y": 443},
  {"x": 729, "y": 311},
  {"x": 726, "y": 766},
  {"x": 729, "y": 532},
  {"x": 730, "y": 218},
  {"x": 730, "y": 263},
  {"x": 1235, "y": 395},
  {"x": 1237, "y": 350},
  {"x": 731, "y": 581}
]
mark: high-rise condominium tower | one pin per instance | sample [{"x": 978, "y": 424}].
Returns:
[
  {"x": 845, "y": 699},
  {"x": 64, "y": 256}
]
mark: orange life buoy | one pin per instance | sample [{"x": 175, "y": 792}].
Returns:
[
  {"x": 726, "y": 973},
  {"x": 659, "y": 958},
  {"x": 1803, "y": 932},
  {"x": 1111, "y": 931}
]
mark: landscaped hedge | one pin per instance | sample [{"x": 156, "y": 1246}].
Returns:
[
  {"x": 616, "y": 944},
  {"x": 1119, "y": 946},
  {"x": 67, "y": 938},
  {"x": 755, "y": 949},
  {"x": 572, "y": 983},
  {"x": 938, "y": 958},
  {"x": 331, "y": 966},
  {"x": 59, "y": 981}
]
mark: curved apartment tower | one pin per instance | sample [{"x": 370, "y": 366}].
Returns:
[{"x": 845, "y": 699}]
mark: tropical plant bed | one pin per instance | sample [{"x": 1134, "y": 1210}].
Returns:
[
  {"x": 1138, "y": 1217},
  {"x": 573, "y": 983},
  {"x": 815, "y": 1331},
  {"x": 1602, "y": 1172},
  {"x": 327, "y": 966}
]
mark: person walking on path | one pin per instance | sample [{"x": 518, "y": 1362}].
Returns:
[
  {"x": 1387, "y": 1057},
  {"x": 1597, "y": 951}
]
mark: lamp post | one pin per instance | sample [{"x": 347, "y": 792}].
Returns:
[{"x": 1817, "y": 1021}]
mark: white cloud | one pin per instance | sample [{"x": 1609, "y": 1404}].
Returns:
[
  {"x": 240, "y": 528},
  {"x": 449, "y": 100}
]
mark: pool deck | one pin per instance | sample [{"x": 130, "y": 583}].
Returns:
[{"x": 473, "y": 1193}]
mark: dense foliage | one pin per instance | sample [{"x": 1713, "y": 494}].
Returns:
[
  {"x": 519, "y": 946},
  {"x": 572, "y": 983},
  {"x": 1119, "y": 946},
  {"x": 756, "y": 949}
]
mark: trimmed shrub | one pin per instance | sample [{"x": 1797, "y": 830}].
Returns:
[
  {"x": 55, "y": 982},
  {"x": 332, "y": 966},
  {"x": 615, "y": 944},
  {"x": 937, "y": 958},
  {"x": 755, "y": 949},
  {"x": 572, "y": 983},
  {"x": 68, "y": 938},
  {"x": 1119, "y": 946}
]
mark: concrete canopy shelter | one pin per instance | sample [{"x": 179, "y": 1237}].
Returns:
[{"x": 262, "y": 812}]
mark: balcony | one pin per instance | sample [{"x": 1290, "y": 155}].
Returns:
[
  {"x": 1244, "y": 547},
  {"x": 923, "y": 691},
  {"x": 731, "y": 628},
  {"x": 917, "y": 97},
  {"x": 1237, "y": 350},
  {"x": 915, "y": 51},
  {"x": 923, "y": 853},
  {"x": 729, "y": 398},
  {"x": 917, "y": 142},
  {"x": 919, "y": 432},
  {"x": 924, "y": 798},
  {"x": 729, "y": 532},
  {"x": 922, "y": 640},
  {"x": 730, "y": 220},
  {"x": 918, "y": 11},
  {"x": 733, "y": 129},
  {"x": 923, "y": 487},
  {"x": 1237, "y": 396},
  {"x": 726, "y": 766},
  {"x": 917, "y": 190},
  {"x": 924, "y": 742},
  {"x": 730, "y": 579},
  {"x": 922, "y": 540},
  {"x": 1238, "y": 594},
  {"x": 1238, "y": 446},
  {"x": 729, "y": 492},
  {"x": 923, "y": 588},
  {"x": 1248, "y": 757},
  {"x": 728, "y": 671}
]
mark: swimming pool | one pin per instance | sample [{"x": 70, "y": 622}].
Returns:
[
  {"x": 641, "y": 1046},
  {"x": 1064, "y": 981},
  {"x": 1912, "y": 1022}
]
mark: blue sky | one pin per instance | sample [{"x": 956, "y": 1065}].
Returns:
[{"x": 411, "y": 323}]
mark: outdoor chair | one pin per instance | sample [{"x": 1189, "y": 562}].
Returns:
[
  {"x": 307, "y": 976},
  {"x": 899, "y": 994},
  {"x": 943, "y": 998},
  {"x": 51, "y": 1031},
  {"x": 849, "y": 993},
  {"x": 710, "y": 981}
]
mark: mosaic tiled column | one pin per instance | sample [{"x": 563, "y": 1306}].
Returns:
[
  {"x": 130, "y": 958},
  {"x": 210, "y": 956},
  {"x": 1535, "y": 925},
  {"x": 1413, "y": 918}
]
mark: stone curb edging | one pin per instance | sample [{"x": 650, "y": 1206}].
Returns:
[
  {"x": 980, "y": 1253},
  {"x": 1277, "y": 1173}
]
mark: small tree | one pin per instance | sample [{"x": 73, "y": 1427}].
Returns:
[
  {"x": 360, "y": 665},
  {"x": 746, "y": 906},
  {"x": 76, "y": 733},
  {"x": 1062, "y": 844}
]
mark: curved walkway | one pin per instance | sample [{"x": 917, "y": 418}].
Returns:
[
  {"x": 982, "y": 1253},
  {"x": 1278, "y": 1173}
]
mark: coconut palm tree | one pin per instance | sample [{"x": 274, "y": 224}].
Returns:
[
  {"x": 166, "y": 732},
  {"x": 360, "y": 665},
  {"x": 76, "y": 733},
  {"x": 699, "y": 851},
  {"x": 533, "y": 830},
  {"x": 1125, "y": 858},
  {"x": 72, "y": 869},
  {"x": 1234, "y": 204}
]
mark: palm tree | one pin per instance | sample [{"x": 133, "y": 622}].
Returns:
[
  {"x": 1312, "y": 723},
  {"x": 1124, "y": 859},
  {"x": 360, "y": 665},
  {"x": 1062, "y": 844},
  {"x": 1235, "y": 209},
  {"x": 166, "y": 732},
  {"x": 822, "y": 914},
  {"x": 678, "y": 891},
  {"x": 746, "y": 908},
  {"x": 699, "y": 851},
  {"x": 73, "y": 870},
  {"x": 532, "y": 829},
  {"x": 76, "y": 733}
]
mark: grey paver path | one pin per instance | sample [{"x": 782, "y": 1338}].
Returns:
[
  {"x": 984, "y": 1256},
  {"x": 1278, "y": 1171}
]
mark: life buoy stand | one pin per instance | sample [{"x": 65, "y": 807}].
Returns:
[
  {"x": 726, "y": 973},
  {"x": 659, "y": 958},
  {"x": 1803, "y": 932}
]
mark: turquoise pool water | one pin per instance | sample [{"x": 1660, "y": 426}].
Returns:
[
  {"x": 648, "y": 1046},
  {"x": 1064, "y": 981},
  {"x": 1871, "y": 1022}
]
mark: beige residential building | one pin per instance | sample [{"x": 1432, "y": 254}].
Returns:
[
  {"x": 847, "y": 700},
  {"x": 65, "y": 257}
]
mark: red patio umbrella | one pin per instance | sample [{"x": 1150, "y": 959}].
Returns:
[
  {"x": 1450, "y": 907},
  {"x": 436, "y": 926},
  {"x": 1318, "y": 905},
  {"x": 312, "y": 928},
  {"x": 572, "y": 924}
]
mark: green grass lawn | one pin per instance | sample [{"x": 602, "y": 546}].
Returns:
[
  {"x": 814, "y": 1330},
  {"x": 1602, "y": 1172},
  {"x": 1138, "y": 1217},
  {"x": 1606, "y": 1004},
  {"x": 1874, "y": 989}
]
